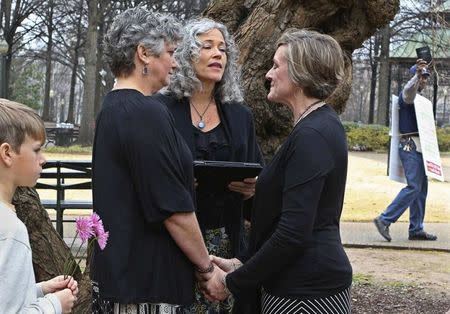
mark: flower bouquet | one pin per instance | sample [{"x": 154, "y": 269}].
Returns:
[{"x": 89, "y": 229}]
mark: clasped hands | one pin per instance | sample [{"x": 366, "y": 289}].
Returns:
[
  {"x": 64, "y": 288},
  {"x": 212, "y": 284}
]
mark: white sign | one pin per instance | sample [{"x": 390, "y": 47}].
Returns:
[
  {"x": 396, "y": 172},
  {"x": 428, "y": 138}
]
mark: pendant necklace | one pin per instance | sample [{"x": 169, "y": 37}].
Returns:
[
  {"x": 201, "y": 124},
  {"x": 309, "y": 109}
]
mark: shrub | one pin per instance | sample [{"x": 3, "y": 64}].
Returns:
[
  {"x": 374, "y": 137},
  {"x": 443, "y": 135},
  {"x": 367, "y": 137}
]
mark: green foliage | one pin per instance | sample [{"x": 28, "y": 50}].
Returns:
[
  {"x": 363, "y": 279},
  {"x": 367, "y": 137},
  {"x": 443, "y": 135},
  {"x": 374, "y": 137},
  {"x": 27, "y": 85}
]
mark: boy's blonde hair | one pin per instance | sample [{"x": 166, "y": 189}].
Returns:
[{"x": 16, "y": 122}]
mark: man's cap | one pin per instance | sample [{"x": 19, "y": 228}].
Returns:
[{"x": 413, "y": 69}]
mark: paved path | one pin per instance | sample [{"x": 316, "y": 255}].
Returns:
[{"x": 365, "y": 234}]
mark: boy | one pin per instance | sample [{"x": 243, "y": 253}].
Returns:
[{"x": 22, "y": 134}]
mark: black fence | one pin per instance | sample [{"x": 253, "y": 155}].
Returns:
[{"x": 63, "y": 173}]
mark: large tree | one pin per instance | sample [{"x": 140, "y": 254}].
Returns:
[{"x": 256, "y": 24}]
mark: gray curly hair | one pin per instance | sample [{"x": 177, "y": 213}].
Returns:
[
  {"x": 184, "y": 81},
  {"x": 133, "y": 27}
]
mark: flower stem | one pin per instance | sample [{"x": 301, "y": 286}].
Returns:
[
  {"x": 90, "y": 241},
  {"x": 68, "y": 261}
]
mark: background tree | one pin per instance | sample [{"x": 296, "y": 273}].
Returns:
[
  {"x": 12, "y": 15},
  {"x": 90, "y": 57},
  {"x": 417, "y": 23},
  {"x": 27, "y": 82},
  {"x": 49, "y": 60}
]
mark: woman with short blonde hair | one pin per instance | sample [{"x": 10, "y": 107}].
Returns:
[{"x": 295, "y": 257}]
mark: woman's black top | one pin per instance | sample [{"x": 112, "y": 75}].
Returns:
[
  {"x": 239, "y": 131},
  {"x": 142, "y": 174},
  {"x": 211, "y": 145},
  {"x": 295, "y": 246}
]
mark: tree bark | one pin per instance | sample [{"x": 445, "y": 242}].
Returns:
[
  {"x": 373, "y": 82},
  {"x": 87, "y": 114},
  {"x": 46, "y": 116},
  {"x": 76, "y": 55},
  {"x": 384, "y": 79},
  {"x": 258, "y": 24},
  {"x": 99, "y": 91}
]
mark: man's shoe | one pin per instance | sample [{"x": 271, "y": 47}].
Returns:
[
  {"x": 382, "y": 228},
  {"x": 422, "y": 235}
]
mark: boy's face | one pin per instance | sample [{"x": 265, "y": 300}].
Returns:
[{"x": 28, "y": 162}]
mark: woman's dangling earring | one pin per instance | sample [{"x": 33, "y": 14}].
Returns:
[{"x": 145, "y": 70}]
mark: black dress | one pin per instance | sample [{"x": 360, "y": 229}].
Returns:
[
  {"x": 142, "y": 174},
  {"x": 295, "y": 246}
]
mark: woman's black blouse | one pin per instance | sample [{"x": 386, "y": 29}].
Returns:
[
  {"x": 142, "y": 174},
  {"x": 295, "y": 246},
  {"x": 211, "y": 145},
  {"x": 238, "y": 126}
]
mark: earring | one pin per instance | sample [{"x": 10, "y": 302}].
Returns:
[{"x": 145, "y": 70}]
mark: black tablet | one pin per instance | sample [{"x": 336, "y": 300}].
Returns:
[{"x": 220, "y": 173}]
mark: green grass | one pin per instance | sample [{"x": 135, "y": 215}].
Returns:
[
  {"x": 362, "y": 279},
  {"x": 75, "y": 149}
]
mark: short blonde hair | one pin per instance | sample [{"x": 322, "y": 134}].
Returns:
[
  {"x": 315, "y": 61},
  {"x": 16, "y": 122}
]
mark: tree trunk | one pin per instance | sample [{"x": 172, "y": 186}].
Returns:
[
  {"x": 99, "y": 62},
  {"x": 87, "y": 114},
  {"x": 73, "y": 79},
  {"x": 384, "y": 79},
  {"x": 373, "y": 81},
  {"x": 46, "y": 116},
  {"x": 5, "y": 8},
  {"x": 258, "y": 24}
]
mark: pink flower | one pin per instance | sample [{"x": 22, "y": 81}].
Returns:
[
  {"x": 89, "y": 229},
  {"x": 99, "y": 230},
  {"x": 84, "y": 228},
  {"x": 97, "y": 224},
  {"x": 102, "y": 239}
]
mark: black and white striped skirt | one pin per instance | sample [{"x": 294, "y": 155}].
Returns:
[{"x": 338, "y": 303}]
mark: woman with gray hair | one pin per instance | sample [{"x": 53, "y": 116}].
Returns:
[
  {"x": 205, "y": 99},
  {"x": 295, "y": 257},
  {"x": 143, "y": 182}
]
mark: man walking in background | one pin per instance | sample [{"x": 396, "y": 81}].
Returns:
[{"x": 415, "y": 193}]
